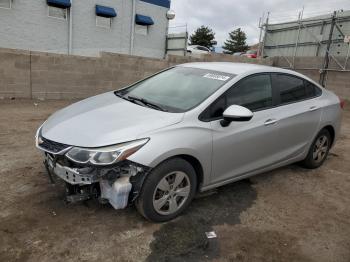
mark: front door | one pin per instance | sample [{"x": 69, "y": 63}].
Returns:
[{"x": 243, "y": 147}]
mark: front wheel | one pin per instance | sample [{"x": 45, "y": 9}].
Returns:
[
  {"x": 167, "y": 191},
  {"x": 318, "y": 151}
]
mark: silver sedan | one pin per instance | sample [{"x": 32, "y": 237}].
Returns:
[{"x": 188, "y": 129}]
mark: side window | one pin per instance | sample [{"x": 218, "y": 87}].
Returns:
[
  {"x": 293, "y": 89},
  {"x": 217, "y": 109},
  {"x": 57, "y": 12},
  {"x": 254, "y": 93},
  {"x": 311, "y": 90},
  {"x": 103, "y": 21},
  {"x": 141, "y": 29}
]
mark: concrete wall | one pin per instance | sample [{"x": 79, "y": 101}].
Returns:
[
  {"x": 56, "y": 76},
  {"x": 27, "y": 26},
  {"x": 15, "y": 73}
]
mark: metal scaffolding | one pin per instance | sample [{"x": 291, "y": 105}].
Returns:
[{"x": 326, "y": 36}]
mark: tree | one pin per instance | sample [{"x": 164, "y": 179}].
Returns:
[
  {"x": 203, "y": 36},
  {"x": 236, "y": 42}
]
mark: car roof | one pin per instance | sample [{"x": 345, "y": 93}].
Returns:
[{"x": 236, "y": 68}]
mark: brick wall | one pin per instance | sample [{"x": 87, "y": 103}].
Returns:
[
  {"x": 27, "y": 74},
  {"x": 57, "y": 76},
  {"x": 14, "y": 73}
]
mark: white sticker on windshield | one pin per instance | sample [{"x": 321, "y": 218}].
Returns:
[{"x": 216, "y": 77}]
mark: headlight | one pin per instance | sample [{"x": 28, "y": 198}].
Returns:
[
  {"x": 38, "y": 133},
  {"x": 105, "y": 155}
]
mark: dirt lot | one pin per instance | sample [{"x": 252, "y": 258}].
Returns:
[{"x": 290, "y": 214}]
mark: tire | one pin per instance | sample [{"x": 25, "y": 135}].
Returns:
[
  {"x": 167, "y": 191},
  {"x": 313, "y": 159}
]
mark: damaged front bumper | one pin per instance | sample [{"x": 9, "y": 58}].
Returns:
[
  {"x": 73, "y": 176},
  {"x": 118, "y": 184}
]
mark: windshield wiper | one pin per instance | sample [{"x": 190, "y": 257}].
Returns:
[
  {"x": 145, "y": 102},
  {"x": 120, "y": 94}
]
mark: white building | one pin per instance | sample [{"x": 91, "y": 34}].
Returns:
[{"x": 85, "y": 27}]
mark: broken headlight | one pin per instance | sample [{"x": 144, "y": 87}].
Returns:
[{"x": 105, "y": 155}]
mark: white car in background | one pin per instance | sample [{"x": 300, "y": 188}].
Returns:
[{"x": 197, "y": 50}]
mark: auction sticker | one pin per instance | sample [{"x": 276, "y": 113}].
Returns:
[{"x": 217, "y": 77}]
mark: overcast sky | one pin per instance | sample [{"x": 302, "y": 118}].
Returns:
[{"x": 224, "y": 15}]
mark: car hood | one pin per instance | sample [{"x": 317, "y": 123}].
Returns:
[{"x": 104, "y": 120}]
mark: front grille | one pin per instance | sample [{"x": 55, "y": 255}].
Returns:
[{"x": 52, "y": 146}]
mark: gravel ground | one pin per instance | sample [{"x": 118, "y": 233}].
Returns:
[{"x": 290, "y": 214}]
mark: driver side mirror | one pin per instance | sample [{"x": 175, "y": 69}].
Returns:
[{"x": 236, "y": 113}]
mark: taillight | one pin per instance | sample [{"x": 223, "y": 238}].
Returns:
[{"x": 342, "y": 103}]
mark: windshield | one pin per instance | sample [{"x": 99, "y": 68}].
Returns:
[{"x": 178, "y": 89}]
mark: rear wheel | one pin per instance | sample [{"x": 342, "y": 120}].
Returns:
[
  {"x": 318, "y": 151},
  {"x": 167, "y": 191}
]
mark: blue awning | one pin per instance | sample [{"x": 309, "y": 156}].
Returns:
[
  {"x": 163, "y": 3},
  {"x": 59, "y": 3},
  {"x": 143, "y": 20},
  {"x": 105, "y": 11}
]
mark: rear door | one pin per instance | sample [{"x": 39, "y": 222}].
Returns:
[{"x": 298, "y": 114}]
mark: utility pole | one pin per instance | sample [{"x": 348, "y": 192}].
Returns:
[
  {"x": 265, "y": 32},
  {"x": 300, "y": 17},
  {"x": 326, "y": 57},
  {"x": 260, "y": 34}
]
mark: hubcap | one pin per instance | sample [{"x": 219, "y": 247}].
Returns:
[
  {"x": 320, "y": 149},
  {"x": 171, "y": 193}
]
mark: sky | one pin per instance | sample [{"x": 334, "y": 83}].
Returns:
[{"x": 224, "y": 16}]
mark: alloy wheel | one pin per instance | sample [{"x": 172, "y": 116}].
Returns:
[
  {"x": 171, "y": 193},
  {"x": 320, "y": 149}
]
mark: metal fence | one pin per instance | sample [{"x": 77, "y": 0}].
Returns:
[{"x": 326, "y": 36}]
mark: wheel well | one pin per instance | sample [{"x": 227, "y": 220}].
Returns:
[
  {"x": 331, "y": 131},
  {"x": 196, "y": 165}
]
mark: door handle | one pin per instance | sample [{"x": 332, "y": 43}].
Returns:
[
  {"x": 313, "y": 108},
  {"x": 270, "y": 122}
]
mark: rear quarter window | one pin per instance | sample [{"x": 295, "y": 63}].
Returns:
[
  {"x": 293, "y": 89},
  {"x": 312, "y": 89}
]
